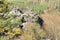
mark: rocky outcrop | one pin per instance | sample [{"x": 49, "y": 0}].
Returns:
[
  {"x": 16, "y": 14},
  {"x": 25, "y": 21}
]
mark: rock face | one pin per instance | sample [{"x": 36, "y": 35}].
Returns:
[
  {"x": 17, "y": 15},
  {"x": 33, "y": 18},
  {"x": 15, "y": 12},
  {"x": 28, "y": 16}
]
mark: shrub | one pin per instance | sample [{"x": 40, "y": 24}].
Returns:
[{"x": 4, "y": 38}]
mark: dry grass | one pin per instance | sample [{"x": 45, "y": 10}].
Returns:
[
  {"x": 32, "y": 31},
  {"x": 52, "y": 25}
]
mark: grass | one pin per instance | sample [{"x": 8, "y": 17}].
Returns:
[
  {"x": 4, "y": 38},
  {"x": 32, "y": 31},
  {"x": 25, "y": 3},
  {"x": 39, "y": 7},
  {"x": 52, "y": 25}
]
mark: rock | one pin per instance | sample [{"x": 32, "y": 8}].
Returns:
[
  {"x": 1, "y": 14},
  {"x": 29, "y": 17},
  {"x": 23, "y": 25},
  {"x": 40, "y": 21},
  {"x": 6, "y": 15},
  {"x": 11, "y": 27},
  {"x": 32, "y": 17},
  {"x": 15, "y": 12},
  {"x": 20, "y": 11},
  {"x": 22, "y": 20}
]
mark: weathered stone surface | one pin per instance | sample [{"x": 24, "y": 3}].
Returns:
[
  {"x": 1, "y": 14},
  {"x": 28, "y": 21}
]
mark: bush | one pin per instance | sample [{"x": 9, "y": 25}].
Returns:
[
  {"x": 58, "y": 8},
  {"x": 4, "y": 38}
]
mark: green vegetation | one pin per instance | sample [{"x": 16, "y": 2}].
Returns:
[
  {"x": 3, "y": 38},
  {"x": 58, "y": 7},
  {"x": 37, "y": 8},
  {"x": 35, "y": 30}
]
